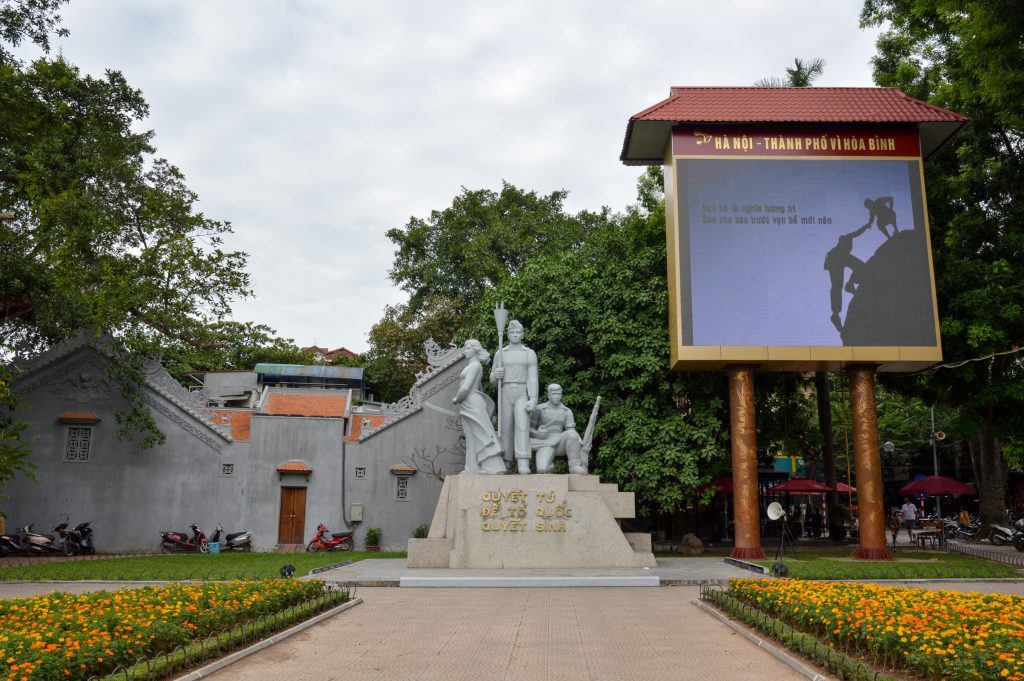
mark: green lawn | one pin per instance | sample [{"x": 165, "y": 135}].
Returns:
[
  {"x": 159, "y": 567},
  {"x": 839, "y": 564}
]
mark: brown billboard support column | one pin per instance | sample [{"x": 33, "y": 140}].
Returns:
[
  {"x": 744, "y": 462},
  {"x": 870, "y": 503}
]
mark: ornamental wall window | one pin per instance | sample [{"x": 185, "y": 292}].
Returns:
[{"x": 77, "y": 444}]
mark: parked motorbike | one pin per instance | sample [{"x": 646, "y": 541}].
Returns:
[
  {"x": 339, "y": 541},
  {"x": 180, "y": 542},
  {"x": 1001, "y": 535},
  {"x": 1018, "y": 534},
  {"x": 15, "y": 542},
  {"x": 968, "y": 532},
  {"x": 38, "y": 544},
  {"x": 79, "y": 540},
  {"x": 235, "y": 541}
]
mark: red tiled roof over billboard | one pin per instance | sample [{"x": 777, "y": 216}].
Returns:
[
  {"x": 294, "y": 466},
  {"x": 364, "y": 421},
  {"x": 305, "y": 405},
  {"x": 240, "y": 422},
  {"x": 793, "y": 105},
  {"x": 648, "y": 130}
]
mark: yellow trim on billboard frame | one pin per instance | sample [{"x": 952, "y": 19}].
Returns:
[{"x": 784, "y": 357}]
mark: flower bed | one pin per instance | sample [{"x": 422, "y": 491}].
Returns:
[
  {"x": 941, "y": 634},
  {"x": 75, "y": 636}
]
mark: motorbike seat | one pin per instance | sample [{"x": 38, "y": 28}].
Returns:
[{"x": 341, "y": 535}]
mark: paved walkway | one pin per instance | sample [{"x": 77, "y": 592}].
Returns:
[{"x": 528, "y": 634}]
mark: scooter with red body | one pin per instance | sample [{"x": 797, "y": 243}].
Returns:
[
  {"x": 338, "y": 541},
  {"x": 180, "y": 542}
]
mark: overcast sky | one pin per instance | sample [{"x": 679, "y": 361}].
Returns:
[{"x": 316, "y": 126}]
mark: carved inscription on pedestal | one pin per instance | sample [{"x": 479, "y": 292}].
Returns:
[{"x": 519, "y": 511}]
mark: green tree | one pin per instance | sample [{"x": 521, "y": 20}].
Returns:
[
  {"x": 99, "y": 236},
  {"x": 447, "y": 261},
  {"x": 966, "y": 57},
  {"x": 396, "y": 344},
  {"x": 231, "y": 346},
  {"x": 595, "y": 315},
  {"x": 483, "y": 238}
]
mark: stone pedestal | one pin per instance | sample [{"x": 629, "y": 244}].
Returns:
[{"x": 530, "y": 521}]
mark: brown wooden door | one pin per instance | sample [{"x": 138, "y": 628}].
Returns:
[{"x": 293, "y": 516}]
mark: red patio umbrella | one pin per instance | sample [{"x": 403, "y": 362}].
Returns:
[
  {"x": 721, "y": 484},
  {"x": 936, "y": 485},
  {"x": 800, "y": 485},
  {"x": 845, "y": 489}
]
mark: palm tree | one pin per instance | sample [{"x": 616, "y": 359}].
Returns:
[{"x": 800, "y": 74}]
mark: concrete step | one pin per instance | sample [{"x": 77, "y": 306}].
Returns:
[{"x": 527, "y": 581}]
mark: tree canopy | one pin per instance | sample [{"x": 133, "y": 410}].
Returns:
[
  {"x": 596, "y": 317},
  {"x": 98, "y": 235},
  {"x": 448, "y": 261},
  {"x": 966, "y": 57}
]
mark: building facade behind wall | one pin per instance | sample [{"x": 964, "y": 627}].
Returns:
[{"x": 273, "y": 459}]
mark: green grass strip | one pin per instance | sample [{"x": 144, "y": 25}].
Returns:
[
  {"x": 820, "y": 565},
  {"x": 225, "y": 566}
]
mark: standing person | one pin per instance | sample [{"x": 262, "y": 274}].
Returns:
[
  {"x": 515, "y": 366},
  {"x": 483, "y": 453},
  {"x": 909, "y": 516},
  {"x": 553, "y": 430}
]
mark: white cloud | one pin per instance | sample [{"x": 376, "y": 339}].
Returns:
[{"x": 316, "y": 126}]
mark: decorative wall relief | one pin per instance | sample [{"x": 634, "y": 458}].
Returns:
[{"x": 428, "y": 382}]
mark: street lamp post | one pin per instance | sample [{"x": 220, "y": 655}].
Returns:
[{"x": 935, "y": 464}]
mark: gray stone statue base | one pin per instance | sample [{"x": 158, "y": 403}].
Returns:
[{"x": 535, "y": 521}]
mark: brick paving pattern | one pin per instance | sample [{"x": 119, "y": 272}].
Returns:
[{"x": 505, "y": 634}]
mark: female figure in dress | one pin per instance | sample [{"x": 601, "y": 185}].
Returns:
[{"x": 483, "y": 453}]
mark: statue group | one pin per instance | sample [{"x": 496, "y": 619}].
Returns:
[{"x": 526, "y": 429}]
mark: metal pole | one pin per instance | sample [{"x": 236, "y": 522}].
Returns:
[
  {"x": 500, "y": 315},
  {"x": 935, "y": 464}
]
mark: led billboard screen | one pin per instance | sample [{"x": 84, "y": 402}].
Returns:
[{"x": 797, "y": 250}]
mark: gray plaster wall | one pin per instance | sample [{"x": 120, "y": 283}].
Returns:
[
  {"x": 128, "y": 492},
  {"x": 131, "y": 493},
  {"x": 422, "y": 431},
  {"x": 274, "y": 441}
]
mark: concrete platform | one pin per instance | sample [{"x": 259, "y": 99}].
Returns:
[
  {"x": 526, "y": 581},
  {"x": 668, "y": 572}
]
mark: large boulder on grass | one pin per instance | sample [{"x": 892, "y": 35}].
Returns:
[{"x": 690, "y": 545}]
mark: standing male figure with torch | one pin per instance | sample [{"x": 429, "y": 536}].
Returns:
[{"x": 515, "y": 372}]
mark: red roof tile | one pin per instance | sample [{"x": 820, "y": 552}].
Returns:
[
  {"x": 80, "y": 417},
  {"x": 781, "y": 105},
  {"x": 305, "y": 405},
  {"x": 240, "y": 422},
  {"x": 359, "y": 421},
  {"x": 403, "y": 470},
  {"x": 294, "y": 466},
  {"x": 794, "y": 105}
]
